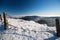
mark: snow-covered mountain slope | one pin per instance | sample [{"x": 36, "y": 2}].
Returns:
[{"x": 27, "y": 30}]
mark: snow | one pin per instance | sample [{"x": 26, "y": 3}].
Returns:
[{"x": 27, "y": 30}]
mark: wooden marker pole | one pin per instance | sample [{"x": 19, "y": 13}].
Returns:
[
  {"x": 57, "y": 28},
  {"x": 5, "y": 21},
  {"x": 0, "y": 18}
]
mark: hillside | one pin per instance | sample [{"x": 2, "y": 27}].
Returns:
[{"x": 27, "y": 30}]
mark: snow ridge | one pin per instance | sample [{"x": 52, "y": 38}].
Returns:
[{"x": 27, "y": 30}]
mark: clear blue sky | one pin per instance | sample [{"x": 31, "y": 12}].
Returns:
[{"x": 30, "y": 6}]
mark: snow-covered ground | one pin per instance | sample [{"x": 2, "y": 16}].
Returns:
[{"x": 27, "y": 30}]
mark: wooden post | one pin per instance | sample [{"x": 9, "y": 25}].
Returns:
[
  {"x": 0, "y": 18},
  {"x": 5, "y": 21},
  {"x": 57, "y": 28}
]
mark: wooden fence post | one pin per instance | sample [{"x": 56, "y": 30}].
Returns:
[
  {"x": 57, "y": 27},
  {"x": 0, "y": 18},
  {"x": 5, "y": 21}
]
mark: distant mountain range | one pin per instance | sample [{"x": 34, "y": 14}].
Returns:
[
  {"x": 34, "y": 18},
  {"x": 50, "y": 21}
]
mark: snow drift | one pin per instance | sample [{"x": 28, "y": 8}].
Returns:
[{"x": 27, "y": 30}]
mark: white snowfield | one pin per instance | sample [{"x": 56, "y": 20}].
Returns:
[{"x": 27, "y": 30}]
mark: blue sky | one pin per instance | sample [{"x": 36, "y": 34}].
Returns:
[{"x": 30, "y": 6}]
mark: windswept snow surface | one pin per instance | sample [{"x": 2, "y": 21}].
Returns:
[{"x": 27, "y": 30}]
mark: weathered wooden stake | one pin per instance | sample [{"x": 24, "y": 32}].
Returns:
[
  {"x": 57, "y": 28},
  {"x": 0, "y": 17},
  {"x": 5, "y": 21}
]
